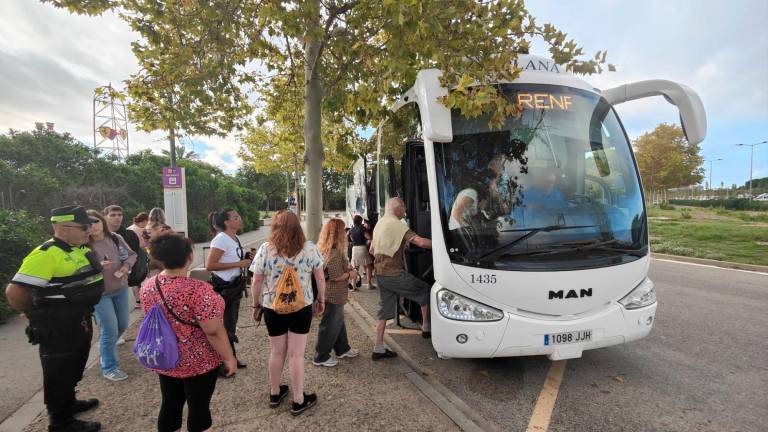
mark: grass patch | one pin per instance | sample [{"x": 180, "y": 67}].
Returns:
[
  {"x": 746, "y": 216},
  {"x": 727, "y": 238}
]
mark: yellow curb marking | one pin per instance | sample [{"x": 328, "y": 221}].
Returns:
[
  {"x": 545, "y": 404},
  {"x": 400, "y": 331}
]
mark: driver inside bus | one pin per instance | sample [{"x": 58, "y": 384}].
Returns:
[{"x": 463, "y": 209}]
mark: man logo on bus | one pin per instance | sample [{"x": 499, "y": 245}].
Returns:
[{"x": 571, "y": 294}]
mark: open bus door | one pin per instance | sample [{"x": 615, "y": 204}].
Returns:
[{"x": 415, "y": 189}]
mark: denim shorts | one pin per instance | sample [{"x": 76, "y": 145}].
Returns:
[{"x": 404, "y": 285}]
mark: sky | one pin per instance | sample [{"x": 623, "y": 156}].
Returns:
[{"x": 51, "y": 61}]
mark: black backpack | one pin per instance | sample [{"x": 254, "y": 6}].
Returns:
[{"x": 140, "y": 269}]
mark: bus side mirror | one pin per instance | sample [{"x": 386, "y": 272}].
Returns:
[
  {"x": 693, "y": 118},
  {"x": 435, "y": 117}
]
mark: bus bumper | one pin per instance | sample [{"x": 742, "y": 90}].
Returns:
[{"x": 517, "y": 335}]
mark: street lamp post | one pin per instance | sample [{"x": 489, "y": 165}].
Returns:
[
  {"x": 710, "y": 171},
  {"x": 751, "y": 154}
]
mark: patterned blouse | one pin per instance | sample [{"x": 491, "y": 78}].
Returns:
[
  {"x": 194, "y": 301},
  {"x": 337, "y": 264},
  {"x": 271, "y": 265}
]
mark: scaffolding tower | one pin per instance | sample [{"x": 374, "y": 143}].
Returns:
[{"x": 110, "y": 121}]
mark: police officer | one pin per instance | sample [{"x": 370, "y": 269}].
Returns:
[{"x": 57, "y": 286}]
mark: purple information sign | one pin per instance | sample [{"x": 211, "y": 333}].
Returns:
[{"x": 171, "y": 178}]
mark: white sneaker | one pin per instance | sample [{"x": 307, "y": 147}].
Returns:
[
  {"x": 352, "y": 353},
  {"x": 331, "y": 362},
  {"x": 120, "y": 341},
  {"x": 116, "y": 375}
]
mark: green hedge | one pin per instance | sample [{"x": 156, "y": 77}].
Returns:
[
  {"x": 20, "y": 232},
  {"x": 730, "y": 204}
]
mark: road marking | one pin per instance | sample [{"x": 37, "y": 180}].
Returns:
[
  {"x": 403, "y": 331},
  {"x": 711, "y": 266},
  {"x": 545, "y": 404}
]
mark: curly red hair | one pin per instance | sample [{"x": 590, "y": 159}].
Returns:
[{"x": 286, "y": 235}]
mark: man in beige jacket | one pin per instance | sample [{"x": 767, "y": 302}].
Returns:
[{"x": 390, "y": 236}]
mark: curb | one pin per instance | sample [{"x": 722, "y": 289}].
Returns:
[
  {"x": 715, "y": 263},
  {"x": 424, "y": 379}
]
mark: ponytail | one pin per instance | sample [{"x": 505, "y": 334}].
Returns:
[{"x": 217, "y": 219}]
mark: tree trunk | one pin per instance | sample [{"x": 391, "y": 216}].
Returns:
[
  {"x": 313, "y": 98},
  {"x": 172, "y": 140}
]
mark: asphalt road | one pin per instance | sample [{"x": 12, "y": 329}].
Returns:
[{"x": 704, "y": 367}]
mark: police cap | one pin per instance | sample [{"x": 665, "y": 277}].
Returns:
[{"x": 74, "y": 214}]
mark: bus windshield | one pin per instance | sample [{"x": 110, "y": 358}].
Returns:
[{"x": 555, "y": 188}]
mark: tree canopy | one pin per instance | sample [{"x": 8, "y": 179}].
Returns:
[
  {"x": 46, "y": 169},
  {"x": 329, "y": 65},
  {"x": 666, "y": 159}
]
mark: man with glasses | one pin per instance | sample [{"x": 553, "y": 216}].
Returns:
[{"x": 57, "y": 286}]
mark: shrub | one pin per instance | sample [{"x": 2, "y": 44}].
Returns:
[
  {"x": 685, "y": 213},
  {"x": 730, "y": 204},
  {"x": 671, "y": 248},
  {"x": 20, "y": 232},
  {"x": 666, "y": 206},
  {"x": 713, "y": 256}
]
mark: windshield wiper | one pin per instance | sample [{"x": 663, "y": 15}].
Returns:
[
  {"x": 532, "y": 232},
  {"x": 601, "y": 246}
]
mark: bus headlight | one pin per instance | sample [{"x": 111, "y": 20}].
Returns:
[
  {"x": 456, "y": 307},
  {"x": 643, "y": 295}
]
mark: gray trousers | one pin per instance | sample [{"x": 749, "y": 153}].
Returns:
[{"x": 332, "y": 333}]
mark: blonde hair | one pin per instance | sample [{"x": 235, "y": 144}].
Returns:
[
  {"x": 332, "y": 236},
  {"x": 156, "y": 216}
]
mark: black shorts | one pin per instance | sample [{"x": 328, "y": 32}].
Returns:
[{"x": 297, "y": 322}]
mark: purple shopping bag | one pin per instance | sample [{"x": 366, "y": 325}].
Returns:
[{"x": 156, "y": 346}]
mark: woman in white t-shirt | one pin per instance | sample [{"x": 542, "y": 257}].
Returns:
[{"x": 227, "y": 263}]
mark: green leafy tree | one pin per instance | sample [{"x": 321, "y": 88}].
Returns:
[
  {"x": 20, "y": 232},
  {"x": 352, "y": 59},
  {"x": 36, "y": 180},
  {"x": 347, "y": 59},
  {"x": 667, "y": 160},
  {"x": 182, "y": 153},
  {"x": 275, "y": 186},
  {"x": 190, "y": 55}
]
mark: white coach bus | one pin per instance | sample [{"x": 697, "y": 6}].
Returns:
[{"x": 539, "y": 230}]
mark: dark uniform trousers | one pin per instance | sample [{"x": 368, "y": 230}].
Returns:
[{"x": 65, "y": 341}]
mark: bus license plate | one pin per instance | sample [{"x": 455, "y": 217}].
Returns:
[{"x": 568, "y": 337}]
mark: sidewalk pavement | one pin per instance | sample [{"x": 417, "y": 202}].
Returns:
[
  {"x": 21, "y": 401},
  {"x": 358, "y": 394}
]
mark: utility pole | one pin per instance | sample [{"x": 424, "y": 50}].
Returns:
[
  {"x": 711, "y": 187},
  {"x": 751, "y": 154}
]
